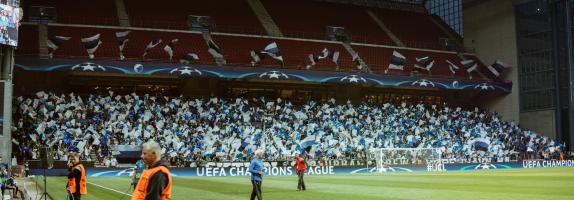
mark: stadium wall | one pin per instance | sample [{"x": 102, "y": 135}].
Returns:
[
  {"x": 544, "y": 122},
  {"x": 490, "y": 30}
]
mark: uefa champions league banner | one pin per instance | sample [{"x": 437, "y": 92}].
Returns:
[
  {"x": 241, "y": 169},
  {"x": 234, "y": 72}
]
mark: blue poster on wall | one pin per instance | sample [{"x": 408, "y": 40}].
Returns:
[{"x": 232, "y": 72}]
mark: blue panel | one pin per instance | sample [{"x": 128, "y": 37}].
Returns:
[{"x": 144, "y": 68}]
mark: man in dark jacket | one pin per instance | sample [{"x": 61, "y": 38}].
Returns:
[{"x": 256, "y": 168}]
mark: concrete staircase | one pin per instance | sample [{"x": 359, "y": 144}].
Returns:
[
  {"x": 384, "y": 27},
  {"x": 265, "y": 19},
  {"x": 365, "y": 67},
  {"x": 42, "y": 38},
  {"x": 207, "y": 37},
  {"x": 123, "y": 17}
]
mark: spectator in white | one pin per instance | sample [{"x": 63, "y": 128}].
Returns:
[
  {"x": 114, "y": 162},
  {"x": 107, "y": 162}
]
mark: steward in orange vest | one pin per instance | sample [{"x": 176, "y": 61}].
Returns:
[
  {"x": 154, "y": 184},
  {"x": 76, "y": 178}
]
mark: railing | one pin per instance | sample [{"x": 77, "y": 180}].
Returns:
[
  {"x": 179, "y": 25},
  {"x": 106, "y": 21}
]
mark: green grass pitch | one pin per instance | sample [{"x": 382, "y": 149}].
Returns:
[{"x": 554, "y": 183}]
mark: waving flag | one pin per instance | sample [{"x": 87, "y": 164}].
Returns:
[
  {"x": 452, "y": 67},
  {"x": 214, "y": 50},
  {"x": 55, "y": 42},
  {"x": 170, "y": 47},
  {"x": 273, "y": 51},
  {"x": 357, "y": 61},
  {"x": 255, "y": 57},
  {"x": 188, "y": 58},
  {"x": 152, "y": 44},
  {"x": 497, "y": 68},
  {"x": 425, "y": 63},
  {"x": 270, "y": 50},
  {"x": 325, "y": 54},
  {"x": 308, "y": 142},
  {"x": 481, "y": 144},
  {"x": 397, "y": 61},
  {"x": 469, "y": 65},
  {"x": 123, "y": 38},
  {"x": 91, "y": 44}
]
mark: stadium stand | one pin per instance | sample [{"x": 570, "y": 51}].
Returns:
[
  {"x": 226, "y": 129},
  {"x": 236, "y": 48},
  {"x": 188, "y": 43},
  {"x": 74, "y": 47},
  {"x": 30, "y": 45},
  {"x": 80, "y": 11},
  {"x": 229, "y": 16},
  {"x": 379, "y": 58},
  {"x": 414, "y": 29},
  {"x": 295, "y": 53},
  {"x": 308, "y": 19}
]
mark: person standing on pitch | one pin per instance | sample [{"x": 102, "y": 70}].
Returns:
[
  {"x": 256, "y": 169},
  {"x": 301, "y": 169},
  {"x": 138, "y": 170},
  {"x": 76, "y": 178},
  {"x": 155, "y": 182}
]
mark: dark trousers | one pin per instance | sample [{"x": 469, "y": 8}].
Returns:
[
  {"x": 301, "y": 184},
  {"x": 256, "y": 190}
]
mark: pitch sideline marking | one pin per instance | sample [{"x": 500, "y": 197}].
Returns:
[{"x": 107, "y": 188}]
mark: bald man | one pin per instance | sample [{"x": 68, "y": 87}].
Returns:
[{"x": 155, "y": 182}]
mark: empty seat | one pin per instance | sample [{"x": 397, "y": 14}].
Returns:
[
  {"x": 412, "y": 28},
  {"x": 308, "y": 19},
  {"x": 229, "y": 16},
  {"x": 100, "y": 12}
]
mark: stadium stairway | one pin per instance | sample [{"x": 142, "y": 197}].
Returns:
[
  {"x": 409, "y": 26},
  {"x": 351, "y": 51},
  {"x": 124, "y": 19},
  {"x": 43, "y": 36},
  {"x": 384, "y": 27},
  {"x": 207, "y": 37},
  {"x": 266, "y": 21}
]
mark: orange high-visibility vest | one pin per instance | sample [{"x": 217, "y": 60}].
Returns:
[
  {"x": 141, "y": 189},
  {"x": 72, "y": 181}
]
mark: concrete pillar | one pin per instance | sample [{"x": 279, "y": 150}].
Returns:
[
  {"x": 490, "y": 28},
  {"x": 266, "y": 21},
  {"x": 6, "y": 135},
  {"x": 42, "y": 38},
  {"x": 123, "y": 17},
  {"x": 384, "y": 27}
]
